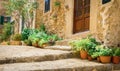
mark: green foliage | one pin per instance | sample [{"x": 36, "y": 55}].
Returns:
[
  {"x": 7, "y": 31},
  {"x": 1, "y": 38},
  {"x": 17, "y": 37},
  {"x": 116, "y": 51},
  {"x": 57, "y": 3},
  {"x": 40, "y": 36},
  {"x": 102, "y": 51},
  {"x": 80, "y": 45},
  {"x": 42, "y": 28},
  {"x": 28, "y": 42},
  {"x": 22, "y": 6},
  {"x": 25, "y": 33},
  {"x": 93, "y": 40},
  {"x": 35, "y": 40},
  {"x": 54, "y": 37},
  {"x": 105, "y": 52},
  {"x": 95, "y": 55},
  {"x": 87, "y": 44},
  {"x": 42, "y": 41},
  {"x": 8, "y": 43}
]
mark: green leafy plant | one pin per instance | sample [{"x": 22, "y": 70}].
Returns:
[
  {"x": 57, "y": 3},
  {"x": 27, "y": 32},
  {"x": 17, "y": 37},
  {"x": 1, "y": 38},
  {"x": 42, "y": 41},
  {"x": 28, "y": 42},
  {"x": 42, "y": 28},
  {"x": 102, "y": 51},
  {"x": 7, "y": 31},
  {"x": 106, "y": 52},
  {"x": 83, "y": 44},
  {"x": 35, "y": 40},
  {"x": 87, "y": 44},
  {"x": 116, "y": 51}
]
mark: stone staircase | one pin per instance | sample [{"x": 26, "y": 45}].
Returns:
[{"x": 53, "y": 58}]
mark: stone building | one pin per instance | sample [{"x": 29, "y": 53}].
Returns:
[
  {"x": 76, "y": 18},
  {"x": 2, "y": 13}
]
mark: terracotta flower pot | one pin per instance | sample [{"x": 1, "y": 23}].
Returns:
[
  {"x": 35, "y": 44},
  {"x": 116, "y": 59},
  {"x": 90, "y": 58},
  {"x": 105, "y": 59},
  {"x": 4, "y": 43},
  {"x": 15, "y": 43},
  {"x": 83, "y": 54},
  {"x": 98, "y": 59}
]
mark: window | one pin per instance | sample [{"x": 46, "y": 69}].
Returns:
[
  {"x": 1, "y": 20},
  {"x": 5, "y": 19},
  {"x": 47, "y": 5},
  {"x": 105, "y": 1}
]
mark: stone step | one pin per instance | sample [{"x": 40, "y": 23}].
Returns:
[
  {"x": 62, "y": 42},
  {"x": 15, "y": 54},
  {"x": 59, "y": 65},
  {"x": 59, "y": 47}
]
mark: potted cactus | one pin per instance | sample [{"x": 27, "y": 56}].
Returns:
[{"x": 16, "y": 39}]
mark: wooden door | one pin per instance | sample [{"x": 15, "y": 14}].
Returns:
[{"x": 81, "y": 15}]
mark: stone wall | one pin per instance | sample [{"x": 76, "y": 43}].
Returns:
[
  {"x": 54, "y": 19},
  {"x": 108, "y": 28},
  {"x": 2, "y": 9}
]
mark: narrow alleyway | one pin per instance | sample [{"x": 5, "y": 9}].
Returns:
[{"x": 25, "y": 58}]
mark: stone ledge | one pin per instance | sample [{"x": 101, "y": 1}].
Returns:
[{"x": 59, "y": 65}]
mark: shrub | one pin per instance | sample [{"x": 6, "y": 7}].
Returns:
[
  {"x": 27, "y": 32},
  {"x": 28, "y": 42},
  {"x": 7, "y": 31},
  {"x": 17, "y": 37}
]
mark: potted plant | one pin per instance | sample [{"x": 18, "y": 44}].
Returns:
[
  {"x": 43, "y": 43},
  {"x": 27, "y": 42},
  {"x": 105, "y": 54},
  {"x": 16, "y": 39},
  {"x": 81, "y": 46},
  {"x": 86, "y": 46},
  {"x": 96, "y": 53},
  {"x": 91, "y": 50},
  {"x": 35, "y": 42},
  {"x": 5, "y": 43},
  {"x": 90, "y": 53},
  {"x": 116, "y": 55}
]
